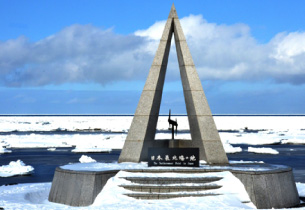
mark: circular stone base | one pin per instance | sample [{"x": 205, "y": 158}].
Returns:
[
  {"x": 268, "y": 186},
  {"x": 274, "y": 188}
]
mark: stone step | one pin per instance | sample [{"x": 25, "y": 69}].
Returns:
[
  {"x": 171, "y": 180},
  {"x": 167, "y": 189},
  {"x": 156, "y": 196}
]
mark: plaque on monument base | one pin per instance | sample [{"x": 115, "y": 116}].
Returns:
[{"x": 173, "y": 157}]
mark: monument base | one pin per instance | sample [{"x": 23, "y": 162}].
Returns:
[{"x": 268, "y": 186}]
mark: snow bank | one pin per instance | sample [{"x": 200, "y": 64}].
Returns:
[
  {"x": 86, "y": 159},
  {"x": 15, "y": 168},
  {"x": 263, "y": 150}
]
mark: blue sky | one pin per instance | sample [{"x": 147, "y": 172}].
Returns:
[{"x": 93, "y": 57}]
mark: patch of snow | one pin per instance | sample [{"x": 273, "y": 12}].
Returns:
[
  {"x": 15, "y": 168},
  {"x": 263, "y": 150},
  {"x": 301, "y": 189},
  {"x": 86, "y": 159}
]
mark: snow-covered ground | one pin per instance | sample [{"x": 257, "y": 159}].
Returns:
[
  {"x": 15, "y": 168},
  {"x": 35, "y": 196}
]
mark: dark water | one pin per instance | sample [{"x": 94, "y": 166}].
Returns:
[
  {"x": 45, "y": 162},
  {"x": 290, "y": 155}
]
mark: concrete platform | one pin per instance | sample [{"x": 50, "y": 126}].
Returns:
[
  {"x": 78, "y": 188},
  {"x": 268, "y": 186}
]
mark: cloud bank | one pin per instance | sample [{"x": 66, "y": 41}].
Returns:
[{"x": 85, "y": 53}]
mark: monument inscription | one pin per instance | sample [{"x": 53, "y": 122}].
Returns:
[{"x": 184, "y": 157}]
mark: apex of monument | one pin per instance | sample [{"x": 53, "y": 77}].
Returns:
[{"x": 173, "y": 12}]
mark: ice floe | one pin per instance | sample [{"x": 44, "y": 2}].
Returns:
[
  {"x": 86, "y": 159},
  {"x": 230, "y": 149},
  {"x": 263, "y": 150},
  {"x": 4, "y": 150},
  {"x": 15, "y": 168}
]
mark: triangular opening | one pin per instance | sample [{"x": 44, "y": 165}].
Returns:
[{"x": 173, "y": 99}]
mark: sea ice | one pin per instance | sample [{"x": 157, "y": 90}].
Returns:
[
  {"x": 4, "y": 150},
  {"x": 86, "y": 159},
  {"x": 293, "y": 141},
  {"x": 230, "y": 149},
  {"x": 15, "y": 168},
  {"x": 111, "y": 131},
  {"x": 263, "y": 150},
  {"x": 87, "y": 150}
]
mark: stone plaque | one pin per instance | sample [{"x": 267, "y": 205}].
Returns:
[{"x": 173, "y": 157}]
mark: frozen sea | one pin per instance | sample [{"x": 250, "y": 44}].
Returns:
[{"x": 46, "y": 142}]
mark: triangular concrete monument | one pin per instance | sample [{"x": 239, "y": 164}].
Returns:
[{"x": 203, "y": 130}]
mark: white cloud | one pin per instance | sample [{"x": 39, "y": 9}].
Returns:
[
  {"x": 79, "y": 53},
  {"x": 84, "y": 53}
]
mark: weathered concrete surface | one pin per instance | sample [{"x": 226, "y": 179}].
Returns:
[
  {"x": 270, "y": 189},
  {"x": 203, "y": 130},
  {"x": 78, "y": 188}
]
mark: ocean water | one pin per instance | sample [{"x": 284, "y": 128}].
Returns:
[{"x": 29, "y": 137}]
